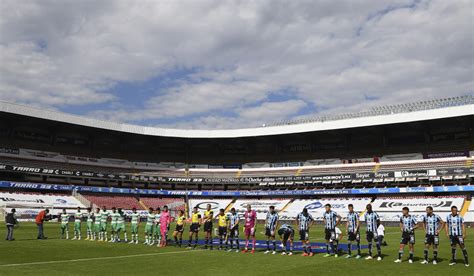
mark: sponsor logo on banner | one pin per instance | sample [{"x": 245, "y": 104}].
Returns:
[
  {"x": 319, "y": 205},
  {"x": 203, "y": 205},
  {"x": 392, "y": 204}
]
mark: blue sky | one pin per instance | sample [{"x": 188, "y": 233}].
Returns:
[{"x": 228, "y": 64}]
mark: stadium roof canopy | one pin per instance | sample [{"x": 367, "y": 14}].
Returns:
[{"x": 421, "y": 111}]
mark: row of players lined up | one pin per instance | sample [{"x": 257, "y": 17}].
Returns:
[{"x": 158, "y": 224}]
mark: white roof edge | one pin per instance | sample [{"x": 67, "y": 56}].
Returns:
[{"x": 447, "y": 112}]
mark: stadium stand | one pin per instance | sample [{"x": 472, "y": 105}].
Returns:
[{"x": 124, "y": 202}]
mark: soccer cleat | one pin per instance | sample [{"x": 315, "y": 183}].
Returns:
[
  {"x": 311, "y": 254},
  {"x": 291, "y": 253},
  {"x": 237, "y": 251},
  {"x": 283, "y": 253},
  {"x": 304, "y": 254},
  {"x": 379, "y": 258},
  {"x": 410, "y": 261},
  {"x": 452, "y": 262},
  {"x": 245, "y": 250},
  {"x": 424, "y": 262},
  {"x": 466, "y": 265},
  {"x": 326, "y": 255},
  {"x": 74, "y": 238},
  {"x": 336, "y": 256},
  {"x": 274, "y": 252},
  {"x": 136, "y": 242},
  {"x": 358, "y": 256},
  {"x": 348, "y": 256},
  {"x": 131, "y": 242},
  {"x": 435, "y": 262},
  {"x": 253, "y": 251},
  {"x": 369, "y": 258},
  {"x": 266, "y": 252}
]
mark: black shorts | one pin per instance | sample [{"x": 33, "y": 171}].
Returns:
[
  {"x": 372, "y": 236},
  {"x": 353, "y": 236},
  {"x": 234, "y": 232},
  {"x": 268, "y": 232},
  {"x": 407, "y": 238},
  {"x": 289, "y": 235},
  {"x": 432, "y": 239},
  {"x": 208, "y": 226},
  {"x": 179, "y": 228},
  {"x": 222, "y": 231},
  {"x": 330, "y": 234},
  {"x": 194, "y": 227},
  {"x": 304, "y": 235},
  {"x": 456, "y": 240}
]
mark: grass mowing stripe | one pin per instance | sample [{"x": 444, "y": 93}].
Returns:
[{"x": 101, "y": 258}]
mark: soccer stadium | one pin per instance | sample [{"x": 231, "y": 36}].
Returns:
[{"x": 236, "y": 138}]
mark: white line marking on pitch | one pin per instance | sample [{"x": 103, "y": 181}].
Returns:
[{"x": 100, "y": 258}]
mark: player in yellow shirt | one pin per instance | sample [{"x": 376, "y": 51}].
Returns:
[
  {"x": 178, "y": 232},
  {"x": 208, "y": 216},
  {"x": 222, "y": 222},
  {"x": 194, "y": 228}
]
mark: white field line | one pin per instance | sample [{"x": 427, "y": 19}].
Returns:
[{"x": 98, "y": 258}]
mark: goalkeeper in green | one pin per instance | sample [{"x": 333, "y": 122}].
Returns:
[
  {"x": 134, "y": 221},
  {"x": 64, "y": 218}
]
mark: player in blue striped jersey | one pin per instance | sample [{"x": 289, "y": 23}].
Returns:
[
  {"x": 352, "y": 229},
  {"x": 432, "y": 224},
  {"x": 456, "y": 230},
  {"x": 286, "y": 233},
  {"x": 271, "y": 224},
  {"x": 372, "y": 221},
  {"x": 304, "y": 220},
  {"x": 233, "y": 232},
  {"x": 408, "y": 224},
  {"x": 330, "y": 219}
]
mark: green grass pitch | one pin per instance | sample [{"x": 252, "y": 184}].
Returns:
[{"x": 27, "y": 255}]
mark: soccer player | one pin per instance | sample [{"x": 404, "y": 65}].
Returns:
[
  {"x": 286, "y": 233},
  {"x": 121, "y": 226},
  {"x": 408, "y": 224},
  {"x": 77, "y": 224},
  {"x": 304, "y": 220},
  {"x": 90, "y": 222},
  {"x": 372, "y": 220},
  {"x": 113, "y": 222},
  {"x": 194, "y": 227},
  {"x": 178, "y": 231},
  {"x": 456, "y": 230},
  {"x": 208, "y": 216},
  {"x": 134, "y": 221},
  {"x": 96, "y": 233},
  {"x": 165, "y": 221},
  {"x": 157, "y": 228},
  {"x": 104, "y": 217},
  {"x": 64, "y": 218},
  {"x": 222, "y": 221},
  {"x": 331, "y": 220},
  {"x": 271, "y": 224},
  {"x": 233, "y": 230},
  {"x": 432, "y": 224},
  {"x": 352, "y": 230},
  {"x": 250, "y": 223},
  {"x": 150, "y": 219}
]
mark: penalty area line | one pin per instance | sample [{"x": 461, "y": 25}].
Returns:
[{"x": 99, "y": 258}]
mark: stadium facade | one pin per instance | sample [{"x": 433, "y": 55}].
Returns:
[{"x": 416, "y": 150}]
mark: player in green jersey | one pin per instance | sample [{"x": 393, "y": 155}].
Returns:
[
  {"x": 96, "y": 233},
  {"x": 77, "y": 224},
  {"x": 64, "y": 218},
  {"x": 134, "y": 221},
  {"x": 150, "y": 218},
  {"x": 90, "y": 222},
  {"x": 120, "y": 226},
  {"x": 157, "y": 233},
  {"x": 113, "y": 222},
  {"x": 104, "y": 217}
]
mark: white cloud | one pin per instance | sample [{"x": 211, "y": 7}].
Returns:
[{"x": 331, "y": 54}]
